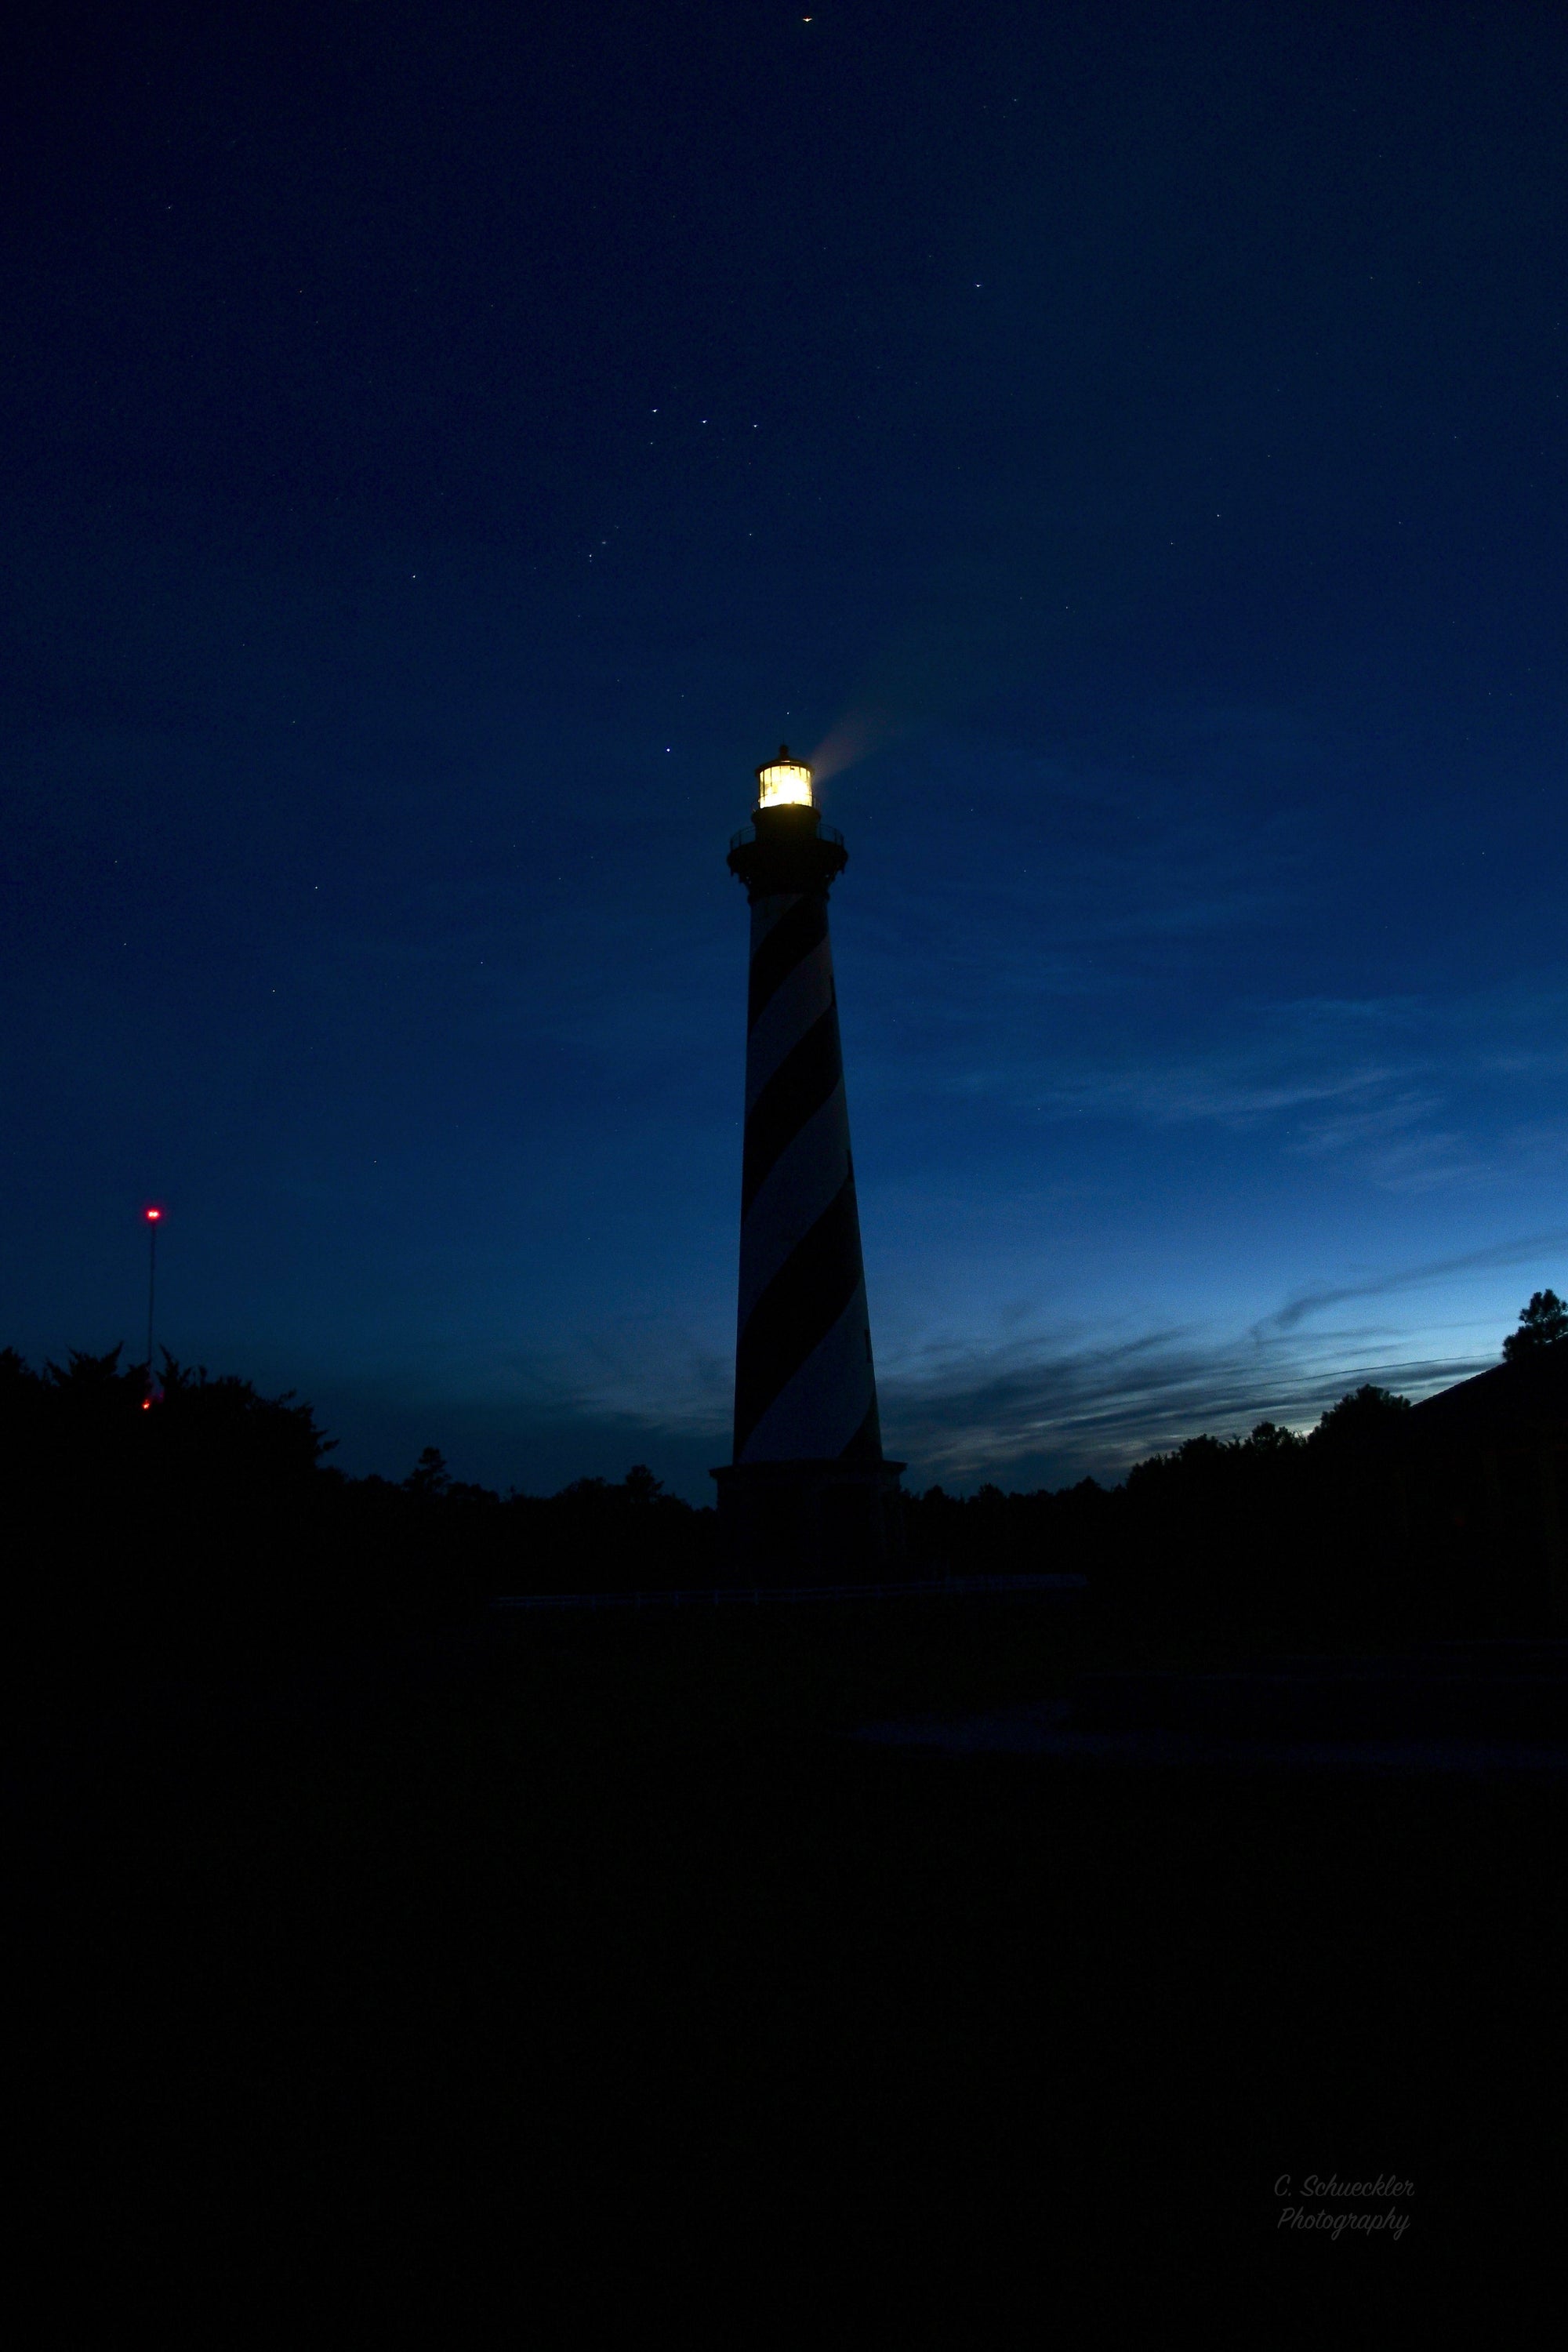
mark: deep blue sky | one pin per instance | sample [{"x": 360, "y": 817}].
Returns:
[{"x": 446, "y": 448}]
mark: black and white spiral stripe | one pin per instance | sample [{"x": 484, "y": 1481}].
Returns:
[{"x": 805, "y": 1385}]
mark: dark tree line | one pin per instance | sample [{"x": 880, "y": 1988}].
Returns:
[
  {"x": 1387, "y": 1521},
  {"x": 204, "y": 1525},
  {"x": 1255, "y": 1531},
  {"x": 210, "y": 1524}
]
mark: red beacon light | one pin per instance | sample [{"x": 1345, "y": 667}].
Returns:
[{"x": 152, "y": 1215}]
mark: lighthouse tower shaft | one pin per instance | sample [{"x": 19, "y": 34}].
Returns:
[
  {"x": 808, "y": 1493},
  {"x": 805, "y": 1383}
]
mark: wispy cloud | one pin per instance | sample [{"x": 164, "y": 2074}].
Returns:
[
  {"x": 1410, "y": 1094},
  {"x": 1043, "y": 1408},
  {"x": 1027, "y": 1409},
  {"x": 1228, "y": 1090},
  {"x": 1528, "y": 1250},
  {"x": 1051, "y": 1417}
]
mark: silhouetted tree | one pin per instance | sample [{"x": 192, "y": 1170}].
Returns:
[
  {"x": 1543, "y": 1324},
  {"x": 429, "y": 1477},
  {"x": 1363, "y": 1423},
  {"x": 1268, "y": 1437}
]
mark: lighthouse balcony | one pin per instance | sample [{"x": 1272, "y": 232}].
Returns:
[{"x": 747, "y": 835}]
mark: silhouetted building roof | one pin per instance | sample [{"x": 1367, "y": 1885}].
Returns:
[{"x": 1526, "y": 1398}]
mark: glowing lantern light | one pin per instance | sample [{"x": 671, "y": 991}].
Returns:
[{"x": 784, "y": 782}]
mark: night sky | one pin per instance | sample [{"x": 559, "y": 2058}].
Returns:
[{"x": 446, "y": 448}]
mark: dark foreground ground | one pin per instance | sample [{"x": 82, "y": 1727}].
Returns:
[{"x": 598, "y": 1970}]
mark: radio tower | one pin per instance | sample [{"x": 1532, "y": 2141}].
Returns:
[{"x": 808, "y": 1495}]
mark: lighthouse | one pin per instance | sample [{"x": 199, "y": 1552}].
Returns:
[{"x": 807, "y": 1495}]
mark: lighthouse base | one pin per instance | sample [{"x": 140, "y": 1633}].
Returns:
[{"x": 810, "y": 1522}]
